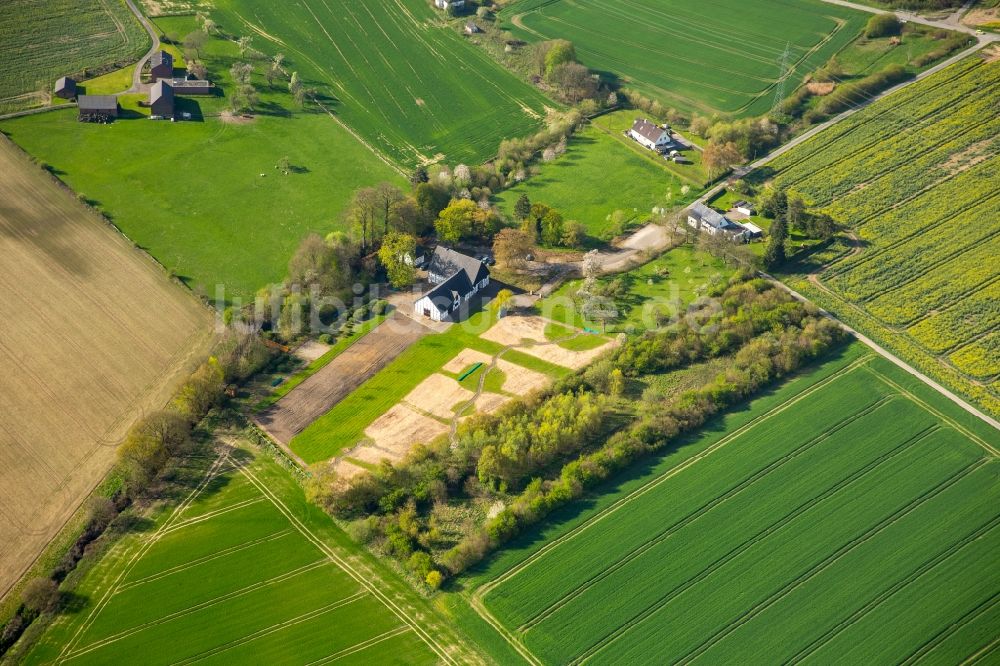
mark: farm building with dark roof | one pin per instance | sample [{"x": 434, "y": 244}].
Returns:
[
  {"x": 97, "y": 108},
  {"x": 650, "y": 135},
  {"x": 65, "y": 88},
  {"x": 161, "y": 100},
  {"x": 458, "y": 278},
  {"x": 184, "y": 86},
  {"x": 161, "y": 66}
]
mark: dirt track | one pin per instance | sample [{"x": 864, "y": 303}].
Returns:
[{"x": 316, "y": 395}]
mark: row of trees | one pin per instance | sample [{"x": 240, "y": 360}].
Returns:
[{"x": 544, "y": 450}]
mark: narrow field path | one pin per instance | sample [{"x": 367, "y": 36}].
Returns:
[{"x": 153, "y": 35}]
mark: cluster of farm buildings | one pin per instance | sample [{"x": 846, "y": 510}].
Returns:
[
  {"x": 457, "y": 278},
  {"x": 162, "y": 104}
]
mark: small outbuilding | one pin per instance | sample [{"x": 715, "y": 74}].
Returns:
[
  {"x": 471, "y": 28},
  {"x": 97, "y": 108},
  {"x": 745, "y": 207},
  {"x": 161, "y": 66},
  {"x": 65, "y": 88},
  {"x": 449, "y": 4},
  {"x": 161, "y": 100}
]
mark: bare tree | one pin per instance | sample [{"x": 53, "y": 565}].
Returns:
[{"x": 388, "y": 196}]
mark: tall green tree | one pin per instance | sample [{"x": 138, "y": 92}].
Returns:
[
  {"x": 522, "y": 207},
  {"x": 455, "y": 221},
  {"x": 396, "y": 254},
  {"x": 774, "y": 255}
]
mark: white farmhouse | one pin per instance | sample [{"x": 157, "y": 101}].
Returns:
[
  {"x": 712, "y": 222},
  {"x": 651, "y": 135},
  {"x": 449, "y": 4},
  {"x": 458, "y": 277}
]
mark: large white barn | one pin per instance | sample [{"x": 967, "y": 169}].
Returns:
[{"x": 458, "y": 277}]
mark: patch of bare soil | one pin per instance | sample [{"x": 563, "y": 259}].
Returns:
[
  {"x": 981, "y": 15},
  {"x": 465, "y": 358},
  {"x": 311, "y": 350},
  {"x": 437, "y": 395},
  {"x": 520, "y": 380},
  {"x": 394, "y": 432},
  {"x": 317, "y": 394},
  {"x": 515, "y": 330},
  {"x": 820, "y": 89},
  {"x": 236, "y": 118}
]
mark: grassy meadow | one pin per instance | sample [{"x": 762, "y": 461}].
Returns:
[
  {"x": 204, "y": 197},
  {"x": 725, "y": 60},
  {"x": 914, "y": 179},
  {"x": 873, "y": 494},
  {"x": 661, "y": 287},
  {"x": 67, "y": 38},
  {"x": 406, "y": 83},
  {"x": 596, "y": 176},
  {"x": 241, "y": 568}
]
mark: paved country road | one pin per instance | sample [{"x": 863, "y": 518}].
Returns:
[{"x": 137, "y": 85}]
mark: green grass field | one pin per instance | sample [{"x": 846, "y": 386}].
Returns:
[
  {"x": 726, "y": 58},
  {"x": 344, "y": 425},
  {"x": 409, "y": 85},
  {"x": 191, "y": 193},
  {"x": 596, "y": 176},
  {"x": 914, "y": 179},
  {"x": 663, "y": 286},
  {"x": 67, "y": 38},
  {"x": 848, "y": 515},
  {"x": 242, "y": 570}
]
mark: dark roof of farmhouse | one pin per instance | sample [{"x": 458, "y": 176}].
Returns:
[
  {"x": 646, "y": 129},
  {"x": 161, "y": 58},
  {"x": 444, "y": 295},
  {"x": 712, "y": 218},
  {"x": 161, "y": 90},
  {"x": 98, "y": 102},
  {"x": 65, "y": 83},
  {"x": 188, "y": 83},
  {"x": 446, "y": 261}
]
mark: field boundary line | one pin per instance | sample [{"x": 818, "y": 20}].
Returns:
[
  {"x": 201, "y": 560},
  {"x": 933, "y": 410},
  {"x": 347, "y": 568},
  {"x": 212, "y": 514},
  {"x": 986, "y": 650},
  {"x": 363, "y": 645},
  {"x": 210, "y": 474},
  {"x": 748, "y": 543},
  {"x": 673, "y": 471},
  {"x": 284, "y": 624},
  {"x": 114, "y": 638},
  {"x": 948, "y": 631},
  {"x": 834, "y": 557},
  {"x": 712, "y": 504},
  {"x": 885, "y": 595}
]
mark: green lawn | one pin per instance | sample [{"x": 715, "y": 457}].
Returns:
[
  {"x": 724, "y": 58},
  {"x": 246, "y": 571},
  {"x": 874, "y": 493},
  {"x": 107, "y": 84},
  {"x": 394, "y": 72},
  {"x": 204, "y": 198},
  {"x": 596, "y": 176},
  {"x": 584, "y": 342},
  {"x": 665, "y": 285},
  {"x": 344, "y": 425},
  {"x": 45, "y": 40}
]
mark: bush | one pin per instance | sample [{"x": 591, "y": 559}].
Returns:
[
  {"x": 325, "y": 338},
  {"x": 40, "y": 595},
  {"x": 433, "y": 579},
  {"x": 882, "y": 25}
]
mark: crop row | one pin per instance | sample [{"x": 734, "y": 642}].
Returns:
[
  {"x": 781, "y": 505},
  {"x": 939, "y": 287},
  {"x": 563, "y": 569},
  {"x": 932, "y": 145},
  {"x": 903, "y": 557},
  {"x": 959, "y": 193},
  {"x": 796, "y": 553},
  {"x": 910, "y": 260},
  {"x": 971, "y": 316},
  {"x": 981, "y": 358},
  {"x": 913, "y": 110}
]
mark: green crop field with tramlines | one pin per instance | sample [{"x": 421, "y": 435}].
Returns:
[
  {"x": 851, "y": 515},
  {"x": 914, "y": 179},
  {"x": 67, "y": 37},
  {"x": 725, "y": 57},
  {"x": 240, "y": 569},
  {"x": 405, "y": 82}
]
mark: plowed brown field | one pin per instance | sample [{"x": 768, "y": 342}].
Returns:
[{"x": 92, "y": 334}]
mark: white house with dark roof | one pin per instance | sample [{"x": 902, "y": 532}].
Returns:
[
  {"x": 710, "y": 221},
  {"x": 449, "y": 4},
  {"x": 651, "y": 135},
  {"x": 458, "y": 277}
]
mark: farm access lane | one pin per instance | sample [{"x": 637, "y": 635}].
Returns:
[
  {"x": 137, "y": 74},
  {"x": 950, "y": 23}
]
